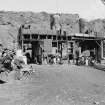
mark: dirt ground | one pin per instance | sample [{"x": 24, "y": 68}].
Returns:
[{"x": 56, "y": 85}]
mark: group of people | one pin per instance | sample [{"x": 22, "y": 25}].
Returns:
[
  {"x": 52, "y": 59},
  {"x": 73, "y": 56}
]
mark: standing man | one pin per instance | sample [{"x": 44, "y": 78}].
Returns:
[
  {"x": 77, "y": 56},
  {"x": 70, "y": 57},
  {"x": 40, "y": 55},
  {"x": 76, "y": 52}
]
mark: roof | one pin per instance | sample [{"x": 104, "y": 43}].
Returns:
[
  {"x": 84, "y": 35},
  {"x": 88, "y": 35},
  {"x": 39, "y": 31}
]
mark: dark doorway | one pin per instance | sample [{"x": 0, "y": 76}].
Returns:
[
  {"x": 93, "y": 46},
  {"x": 36, "y": 52}
]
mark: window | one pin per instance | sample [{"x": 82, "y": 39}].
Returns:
[{"x": 54, "y": 44}]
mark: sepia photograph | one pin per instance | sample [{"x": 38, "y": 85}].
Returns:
[{"x": 52, "y": 52}]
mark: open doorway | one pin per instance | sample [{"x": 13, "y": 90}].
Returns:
[
  {"x": 93, "y": 47},
  {"x": 36, "y": 52}
]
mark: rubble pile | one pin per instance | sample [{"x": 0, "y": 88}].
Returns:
[
  {"x": 5, "y": 63},
  {"x": 12, "y": 66}
]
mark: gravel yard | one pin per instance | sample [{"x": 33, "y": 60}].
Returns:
[{"x": 56, "y": 85}]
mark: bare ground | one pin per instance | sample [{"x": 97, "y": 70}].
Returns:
[{"x": 56, "y": 85}]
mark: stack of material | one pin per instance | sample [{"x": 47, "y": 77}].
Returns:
[{"x": 5, "y": 63}]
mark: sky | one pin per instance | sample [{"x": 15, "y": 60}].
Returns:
[{"x": 88, "y": 9}]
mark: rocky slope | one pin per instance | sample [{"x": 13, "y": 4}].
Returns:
[
  {"x": 96, "y": 27},
  {"x": 11, "y": 21}
]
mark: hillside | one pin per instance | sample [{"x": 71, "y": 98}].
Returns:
[
  {"x": 11, "y": 21},
  {"x": 96, "y": 27}
]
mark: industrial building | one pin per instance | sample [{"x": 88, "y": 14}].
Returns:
[{"x": 40, "y": 42}]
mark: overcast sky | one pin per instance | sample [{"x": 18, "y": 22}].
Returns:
[{"x": 88, "y": 9}]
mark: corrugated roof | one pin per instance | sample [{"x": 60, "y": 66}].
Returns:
[
  {"x": 84, "y": 35},
  {"x": 87, "y": 35}
]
